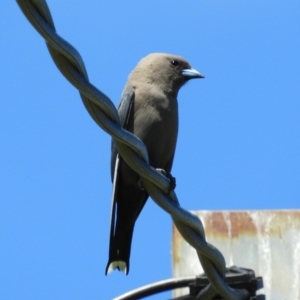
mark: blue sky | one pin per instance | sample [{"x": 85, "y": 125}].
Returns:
[{"x": 238, "y": 146}]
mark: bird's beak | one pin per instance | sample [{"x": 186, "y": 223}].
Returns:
[{"x": 191, "y": 73}]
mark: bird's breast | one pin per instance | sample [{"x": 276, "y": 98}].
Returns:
[{"x": 155, "y": 122}]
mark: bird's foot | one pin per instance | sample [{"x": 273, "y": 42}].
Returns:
[{"x": 171, "y": 178}]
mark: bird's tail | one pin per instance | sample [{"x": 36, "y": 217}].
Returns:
[
  {"x": 119, "y": 264},
  {"x": 119, "y": 252}
]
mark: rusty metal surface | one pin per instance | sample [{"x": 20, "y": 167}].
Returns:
[{"x": 266, "y": 241}]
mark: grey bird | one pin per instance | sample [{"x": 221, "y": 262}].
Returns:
[{"x": 149, "y": 109}]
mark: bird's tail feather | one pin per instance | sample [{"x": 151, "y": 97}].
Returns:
[
  {"x": 119, "y": 251},
  {"x": 119, "y": 264}
]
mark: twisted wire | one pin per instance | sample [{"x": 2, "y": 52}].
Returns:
[{"x": 131, "y": 148}]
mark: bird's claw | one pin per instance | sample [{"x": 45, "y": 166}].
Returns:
[
  {"x": 172, "y": 179},
  {"x": 172, "y": 183}
]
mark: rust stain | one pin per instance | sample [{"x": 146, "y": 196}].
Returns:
[
  {"x": 226, "y": 225},
  {"x": 242, "y": 223},
  {"x": 215, "y": 225},
  {"x": 235, "y": 224}
]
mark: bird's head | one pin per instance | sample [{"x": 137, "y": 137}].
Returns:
[{"x": 169, "y": 72}]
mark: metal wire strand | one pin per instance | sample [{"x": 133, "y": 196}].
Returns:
[
  {"x": 157, "y": 287},
  {"x": 131, "y": 148}
]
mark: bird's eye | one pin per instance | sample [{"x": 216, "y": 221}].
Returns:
[{"x": 174, "y": 63}]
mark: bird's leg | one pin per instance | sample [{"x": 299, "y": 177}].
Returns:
[{"x": 170, "y": 177}]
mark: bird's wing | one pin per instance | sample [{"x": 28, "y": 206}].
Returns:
[
  {"x": 125, "y": 105},
  {"x": 124, "y": 110}
]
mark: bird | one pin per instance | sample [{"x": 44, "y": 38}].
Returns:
[{"x": 149, "y": 109}]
